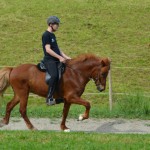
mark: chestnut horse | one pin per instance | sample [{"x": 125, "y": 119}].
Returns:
[{"x": 27, "y": 78}]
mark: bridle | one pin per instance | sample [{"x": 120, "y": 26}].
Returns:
[{"x": 95, "y": 79}]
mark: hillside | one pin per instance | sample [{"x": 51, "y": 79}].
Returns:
[{"x": 116, "y": 29}]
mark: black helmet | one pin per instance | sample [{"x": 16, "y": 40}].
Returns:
[{"x": 53, "y": 20}]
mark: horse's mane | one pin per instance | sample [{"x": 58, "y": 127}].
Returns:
[{"x": 82, "y": 58}]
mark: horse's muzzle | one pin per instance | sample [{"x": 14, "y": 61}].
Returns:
[{"x": 100, "y": 88}]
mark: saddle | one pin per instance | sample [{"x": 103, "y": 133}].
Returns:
[{"x": 61, "y": 69}]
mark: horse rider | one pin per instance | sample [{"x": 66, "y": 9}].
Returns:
[{"x": 52, "y": 55}]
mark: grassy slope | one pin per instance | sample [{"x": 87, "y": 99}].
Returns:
[{"x": 118, "y": 29}]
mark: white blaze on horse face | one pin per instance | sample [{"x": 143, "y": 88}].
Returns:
[{"x": 102, "y": 87}]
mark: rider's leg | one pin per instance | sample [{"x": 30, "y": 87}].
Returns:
[{"x": 53, "y": 71}]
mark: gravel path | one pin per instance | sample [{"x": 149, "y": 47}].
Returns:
[{"x": 90, "y": 125}]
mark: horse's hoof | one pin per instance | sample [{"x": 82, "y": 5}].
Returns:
[
  {"x": 33, "y": 129},
  {"x": 80, "y": 117},
  {"x": 2, "y": 124},
  {"x": 67, "y": 130}
]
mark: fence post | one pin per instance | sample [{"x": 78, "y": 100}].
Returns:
[{"x": 110, "y": 90}]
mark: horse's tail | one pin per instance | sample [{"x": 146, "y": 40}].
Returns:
[{"x": 4, "y": 79}]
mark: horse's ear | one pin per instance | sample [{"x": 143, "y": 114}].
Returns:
[
  {"x": 103, "y": 63},
  {"x": 84, "y": 59}
]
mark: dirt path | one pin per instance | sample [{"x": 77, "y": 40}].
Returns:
[{"x": 90, "y": 125}]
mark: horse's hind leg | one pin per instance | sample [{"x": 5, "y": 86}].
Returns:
[
  {"x": 9, "y": 107},
  {"x": 23, "y": 107}
]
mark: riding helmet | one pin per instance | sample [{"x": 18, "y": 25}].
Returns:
[{"x": 53, "y": 20}]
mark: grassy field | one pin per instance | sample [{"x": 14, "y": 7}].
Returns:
[
  {"x": 124, "y": 107},
  {"x": 72, "y": 141},
  {"x": 117, "y": 29}
]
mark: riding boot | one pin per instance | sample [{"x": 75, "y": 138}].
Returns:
[{"x": 50, "y": 100}]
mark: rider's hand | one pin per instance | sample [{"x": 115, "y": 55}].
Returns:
[
  {"x": 62, "y": 59},
  {"x": 68, "y": 58}
]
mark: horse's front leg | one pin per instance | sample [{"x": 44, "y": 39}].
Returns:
[
  {"x": 85, "y": 103},
  {"x": 65, "y": 114}
]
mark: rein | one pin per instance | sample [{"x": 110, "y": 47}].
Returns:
[{"x": 90, "y": 78}]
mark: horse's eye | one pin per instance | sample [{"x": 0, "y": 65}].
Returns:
[{"x": 103, "y": 75}]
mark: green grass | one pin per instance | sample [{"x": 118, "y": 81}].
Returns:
[
  {"x": 117, "y": 29},
  {"x": 128, "y": 106},
  {"x": 114, "y": 28},
  {"x": 58, "y": 140}
]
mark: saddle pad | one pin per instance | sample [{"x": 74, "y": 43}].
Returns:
[{"x": 41, "y": 66}]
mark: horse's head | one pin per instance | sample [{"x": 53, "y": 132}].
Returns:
[{"x": 100, "y": 72}]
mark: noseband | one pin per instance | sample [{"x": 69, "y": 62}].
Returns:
[{"x": 96, "y": 79}]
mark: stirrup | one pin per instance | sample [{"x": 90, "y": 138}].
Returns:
[{"x": 50, "y": 101}]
